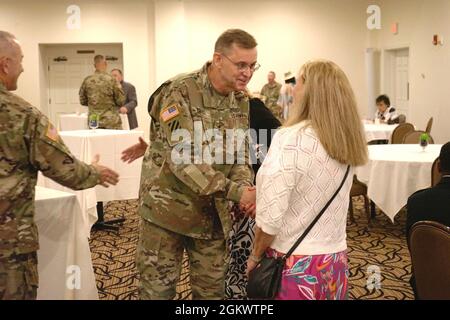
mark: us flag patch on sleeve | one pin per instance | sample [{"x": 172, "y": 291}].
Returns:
[{"x": 169, "y": 113}]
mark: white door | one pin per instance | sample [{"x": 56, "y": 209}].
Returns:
[
  {"x": 65, "y": 79},
  {"x": 401, "y": 87},
  {"x": 113, "y": 64},
  {"x": 67, "y": 66}
]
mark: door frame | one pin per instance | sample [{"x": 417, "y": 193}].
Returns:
[{"x": 45, "y": 54}]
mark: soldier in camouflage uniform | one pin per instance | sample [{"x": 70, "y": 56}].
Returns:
[
  {"x": 185, "y": 206},
  {"x": 28, "y": 143},
  {"x": 103, "y": 95},
  {"x": 271, "y": 93}
]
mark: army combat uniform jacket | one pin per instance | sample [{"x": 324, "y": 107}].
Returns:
[
  {"x": 29, "y": 143},
  {"x": 271, "y": 92},
  {"x": 101, "y": 93},
  {"x": 192, "y": 198}
]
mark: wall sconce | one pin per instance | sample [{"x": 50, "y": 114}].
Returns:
[
  {"x": 437, "y": 40},
  {"x": 394, "y": 28}
]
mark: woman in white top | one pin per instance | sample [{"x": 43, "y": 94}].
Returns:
[
  {"x": 304, "y": 167},
  {"x": 385, "y": 111}
]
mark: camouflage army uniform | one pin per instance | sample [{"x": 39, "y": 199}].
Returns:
[
  {"x": 271, "y": 92},
  {"x": 185, "y": 206},
  {"x": 28, "y": 143},
  {"x": 101, "y": 93}
]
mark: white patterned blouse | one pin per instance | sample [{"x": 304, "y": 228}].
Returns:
[{"x": 295, "y": 181}]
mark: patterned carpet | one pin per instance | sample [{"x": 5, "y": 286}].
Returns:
[{"x": 379, "y": 260}]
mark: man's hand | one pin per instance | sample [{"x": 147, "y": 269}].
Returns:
[
  {"x": 107, "y": 176},
  {"x": 135, "y": 151},
  {"x": 248, "y": 202},
  {"x": 123, "y": 110}
]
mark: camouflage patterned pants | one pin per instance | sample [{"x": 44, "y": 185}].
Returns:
[
  {"x": 159, "y": 260},
  {"x": 19, "y": 277}
]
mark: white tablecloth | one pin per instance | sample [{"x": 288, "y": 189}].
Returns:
[
  {"x": 395, "y": 171},
  {"x": 379, "y": 131},
  {"x": 64, "y": 252},
  {"x": 70, "y": 122},
  {"x": 109, "y": 144}
]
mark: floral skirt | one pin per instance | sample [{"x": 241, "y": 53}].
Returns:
[{"x": 317, "y": 277}]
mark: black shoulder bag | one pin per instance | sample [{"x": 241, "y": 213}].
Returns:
[{"x": 264, "y": 281}]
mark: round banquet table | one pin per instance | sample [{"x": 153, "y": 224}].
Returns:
[
  {"x": 395, "y": 171},
  {"x": 378, "y": 131}
]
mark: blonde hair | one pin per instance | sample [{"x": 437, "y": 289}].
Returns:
[{"x": 328, "y": 105}]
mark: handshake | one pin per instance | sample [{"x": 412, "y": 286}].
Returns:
[{"x": 247, "y": 204}]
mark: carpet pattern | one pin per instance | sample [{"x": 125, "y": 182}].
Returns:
[{"x": 379, "y": 261}]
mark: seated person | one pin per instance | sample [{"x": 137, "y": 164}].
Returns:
[
  {"x": 385, "y": 111},
  {"x": 432, "y": 204}
]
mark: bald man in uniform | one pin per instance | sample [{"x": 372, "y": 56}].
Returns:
[{"x": 29, "y": 143}]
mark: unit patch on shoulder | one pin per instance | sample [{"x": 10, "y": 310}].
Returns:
[
  {"x": 174, "y": 125},
  {"x": 52, "y": 133},
  {"x": 169, "y": 112}
]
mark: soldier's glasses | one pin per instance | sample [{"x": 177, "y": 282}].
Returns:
[{"x": 242, "y": 66}]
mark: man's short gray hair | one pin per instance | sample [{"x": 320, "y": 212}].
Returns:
[
  {"x": 234, "y": 36},
  {"x": 7, "y": 40}
]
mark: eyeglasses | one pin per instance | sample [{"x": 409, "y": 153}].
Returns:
[{"x": 242, "y": 66}]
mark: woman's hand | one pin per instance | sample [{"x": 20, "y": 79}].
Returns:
[
  {"x": 248, "y": 202},
  {"x": 250, "y": 266},
  {"x": 261, "y": 243},
  {"x": 250, "y": 210}
]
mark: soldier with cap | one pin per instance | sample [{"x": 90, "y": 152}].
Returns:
[
  {"x": 271, "y": 92},
  {"x": 103, "y": 95},
  {"x": 29, "y": 143},
  {"x": 184, "y": 205}
]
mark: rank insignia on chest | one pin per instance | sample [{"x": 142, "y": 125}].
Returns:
[{"x": 169, "y": 113}]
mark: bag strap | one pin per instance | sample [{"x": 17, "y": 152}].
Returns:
[{"x": 288, "y": 254}]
